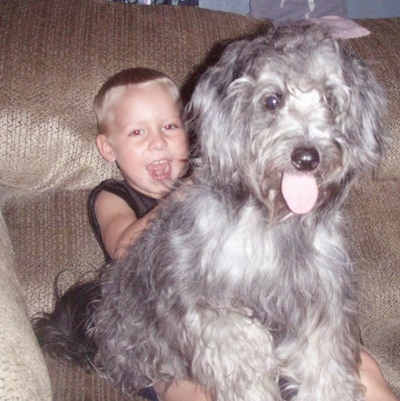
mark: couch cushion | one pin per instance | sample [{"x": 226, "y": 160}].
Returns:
[
  {"x": 23, "y": 373},
  {"x": 375, "y": 234},
  {"x": 71, "y": 383},
  {"x": 52, "y": 238}
]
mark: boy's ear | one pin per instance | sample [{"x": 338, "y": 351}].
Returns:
[{"x": 105, "y": 148}]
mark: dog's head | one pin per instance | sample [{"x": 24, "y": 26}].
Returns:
[{"x": 290, "y": 118}]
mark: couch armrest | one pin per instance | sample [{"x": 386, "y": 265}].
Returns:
[{"x": 23, "y": 373}]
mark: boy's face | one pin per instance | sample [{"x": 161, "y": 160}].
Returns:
[{"x": 146, "y": 138}]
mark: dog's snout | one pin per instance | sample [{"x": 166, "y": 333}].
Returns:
[{"x": 305, "y": 159}]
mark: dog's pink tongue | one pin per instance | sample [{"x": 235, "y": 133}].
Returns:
[{"x": 300, "y": 192}]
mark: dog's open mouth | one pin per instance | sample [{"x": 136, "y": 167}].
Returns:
[
  {"x": 160, "y": 170},
  {"x": 300, "y": 191}
]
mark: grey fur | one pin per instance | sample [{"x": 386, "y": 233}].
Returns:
[{"x": 228, "y": 287}]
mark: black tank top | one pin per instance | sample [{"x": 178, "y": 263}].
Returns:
[{"x": 140, "y": 204}]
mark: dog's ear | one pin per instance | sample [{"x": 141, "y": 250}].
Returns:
[
  {"x": 363, "y": 121},
  {"x": 209, "y": 111},
  {"x": 215, "y": 80}
]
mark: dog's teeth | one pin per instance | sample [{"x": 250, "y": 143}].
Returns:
[{"x": 300, "y": 192}]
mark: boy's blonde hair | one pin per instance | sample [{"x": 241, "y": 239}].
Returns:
[{"x": 113, "y": 87}]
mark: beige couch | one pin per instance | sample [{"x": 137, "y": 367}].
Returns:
[{"x": 54, "y": 55}]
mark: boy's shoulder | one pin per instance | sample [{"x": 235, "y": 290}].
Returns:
[
  {"x": 139, "y": 203},
  {"x": 117, "y": 187}
]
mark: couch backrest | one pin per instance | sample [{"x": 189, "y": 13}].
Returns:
[{"x": 55, "y": 54}]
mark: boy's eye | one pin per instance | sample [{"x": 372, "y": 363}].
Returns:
[
  {"x": 136, "y": 132},
  {"x": 170, "y": 126}
]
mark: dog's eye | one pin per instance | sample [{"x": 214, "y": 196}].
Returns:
[
  {"x": 272, "y": 102},
  {"x": 337, "y": 99}
]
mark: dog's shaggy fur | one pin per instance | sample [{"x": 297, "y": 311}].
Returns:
[{"x": 243, "y": 282}]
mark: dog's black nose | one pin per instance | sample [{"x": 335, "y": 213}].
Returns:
[{"x": 305, "y": 159}]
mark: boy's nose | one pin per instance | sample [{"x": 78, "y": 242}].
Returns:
[{"x": 157, "y": 142}]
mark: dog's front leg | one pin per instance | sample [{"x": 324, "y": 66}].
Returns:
[{"x": 234, "y": 357}]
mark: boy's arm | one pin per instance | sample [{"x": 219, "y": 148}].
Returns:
[
  {"x": 118, "y": 223},
  {"x": 372, "y": 378}
]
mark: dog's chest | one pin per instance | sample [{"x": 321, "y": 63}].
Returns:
[
  {"x": 239, "y": 249},
  {"x": 248, "y": 260}
]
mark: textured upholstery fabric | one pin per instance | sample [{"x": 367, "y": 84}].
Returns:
[
  {"x": 56, "y": 227},
  {"x": 54, "y": 56},
  {"x": 56, "y": 64},
  {"x": 79, "y": 385},
  {"x": 375, "y": 214},
  {"x": 23, "y": 375}
]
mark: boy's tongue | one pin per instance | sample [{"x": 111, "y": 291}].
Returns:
[
  {"x": 160, "y": 170},
  {"x": 300, "y": 192}
]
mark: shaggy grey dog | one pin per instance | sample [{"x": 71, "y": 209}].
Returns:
[{"x": 243, "y": 282}]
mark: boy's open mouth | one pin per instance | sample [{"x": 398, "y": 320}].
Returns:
[{"x": 160, "y": 170}]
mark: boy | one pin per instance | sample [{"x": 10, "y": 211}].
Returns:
[
  {"x": 139, "y": 122},
  {"x": 138, "y": 114}
]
